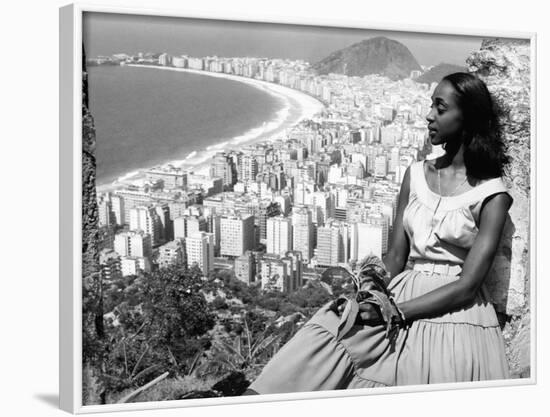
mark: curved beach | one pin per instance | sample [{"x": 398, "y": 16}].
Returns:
[{"x": 273, "y": 129}]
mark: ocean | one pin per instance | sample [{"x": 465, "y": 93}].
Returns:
[{"x": 145, "y": 117}]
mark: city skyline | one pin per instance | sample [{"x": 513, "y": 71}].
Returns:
[{"x": 321, "y": 194}]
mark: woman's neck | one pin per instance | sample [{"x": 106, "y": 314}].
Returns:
[{"x": 453, "y": 157}]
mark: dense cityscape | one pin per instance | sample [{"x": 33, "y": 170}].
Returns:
[{"x": 280, "y": 212}]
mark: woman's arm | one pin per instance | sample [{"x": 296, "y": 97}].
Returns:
[
  {"x": 463, "y": 291},
  {"x": 398, "y": 253}
]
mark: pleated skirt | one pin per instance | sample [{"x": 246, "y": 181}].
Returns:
[{"x": 463, "y": 345}]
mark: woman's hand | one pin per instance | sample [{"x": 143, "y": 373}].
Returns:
[{"x": 369, "y": 314}]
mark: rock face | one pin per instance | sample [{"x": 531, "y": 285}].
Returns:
[
  {"x": 92, "y": 299},
  {"x": 505, "y": 67},
  {"x": 378, "y": 55},
  {"x": 435, "y": 74}
]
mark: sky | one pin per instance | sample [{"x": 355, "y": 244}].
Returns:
[{"x": 106, "y": 34}]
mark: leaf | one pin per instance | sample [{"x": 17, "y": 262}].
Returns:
[
  {"x": 139, "y": 360},
  {"x": 264, "y": 344},
  {"x": 248, "y": 336},
  {"x": 195, "y": 362},
  {"x": 147, "y": 371},
  {"x": 228, "y": 348}
]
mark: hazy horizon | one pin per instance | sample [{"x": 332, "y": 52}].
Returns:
[{"x": 107, "y": 34}]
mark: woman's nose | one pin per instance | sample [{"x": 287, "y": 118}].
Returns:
[{"x": 430, "y": 116}]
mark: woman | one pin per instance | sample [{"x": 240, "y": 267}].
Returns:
[{"x": 450, "y": 217}]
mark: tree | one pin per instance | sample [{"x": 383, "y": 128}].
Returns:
[{"x": 164, "y": 331}]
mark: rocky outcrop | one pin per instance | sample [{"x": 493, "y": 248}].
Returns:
[
  {"x": 92, "y": 297},
  {"x": 378, "y": 55},
  {"x": 505, "y": 67}
]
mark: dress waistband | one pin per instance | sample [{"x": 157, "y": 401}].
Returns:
[{"x": 436, "y": 267}]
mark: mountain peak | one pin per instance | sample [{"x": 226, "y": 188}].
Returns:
[{"x": 378, "y": 55}]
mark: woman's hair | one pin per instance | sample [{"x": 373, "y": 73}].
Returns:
[{"x": 484, "y": 151}]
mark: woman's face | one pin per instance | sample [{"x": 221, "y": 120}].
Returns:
[{"x": 445, "y": 119}]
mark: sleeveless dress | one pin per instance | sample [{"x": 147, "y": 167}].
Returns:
[{"x": 462, "y": 345}]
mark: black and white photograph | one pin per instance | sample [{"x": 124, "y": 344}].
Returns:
[{"x": 274, "y": 210}]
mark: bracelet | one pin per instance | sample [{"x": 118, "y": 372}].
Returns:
[
  {"x": 402, "y": 318},
  {"x": 398, "y": 316}
]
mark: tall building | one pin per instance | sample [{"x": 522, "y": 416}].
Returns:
[
  {"x": 332, "y": 244},
  {"x": 370, "y": 237},
  {"x": 177, "y": 209},
  {"x": 236, "y": 234},
  {"x": 109, "y": 263},
  {"x": 130, "y": 265},
  {"x": 199, "y": 250},
  {"x": 334, "y": 173},
  {"x": 195, "y": 63},
  {"x": 223, "y": 167},
  {"x": 302, "y": 232},
  {"x": 395, "y": 159},
  {"x": 187, "y": 225},
  {"x": 166, "y": 228},
  {"x": 213, "y": 226},
  {"x": 117, "y": 206},
  {"x": 179, "y": 228},
  {"x": 295, "y": 268},
  {"x": 106, "y": 217},
  {"x": 284, "y": 203},
  {"x": 381, "y": 166},
  {"x": 195, "y": 224},
  {"x": 134, "y": 244},
  {"x": 179, "y": 61},
  {"x": 171, "y": 253},
  {"x": 303, "y": 191},
  {"x": 360, "y": 158},
  {"x": 249, "y": 168},
  {"x": 279, "y": 235},
  {"x": 266, "y": 211},
  {"x": 165, "y": 59},
  {"x": 146, "y": 219},
  {"x": 324, "y": 201},
  {"x": 245, "y": 268},
  {"x": 274, "y": 274}
]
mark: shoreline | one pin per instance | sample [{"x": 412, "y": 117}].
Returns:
[{"x": 198, "y": 160}]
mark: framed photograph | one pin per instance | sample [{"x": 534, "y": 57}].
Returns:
[{"x": 255, "y": 210}]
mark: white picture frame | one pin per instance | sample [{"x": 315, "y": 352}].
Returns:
[{"x": 70, "y": 209}]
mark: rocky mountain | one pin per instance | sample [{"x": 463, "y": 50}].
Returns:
[
  {"x": 378, "y": 55},
  {"x": 435, "y": 74}
]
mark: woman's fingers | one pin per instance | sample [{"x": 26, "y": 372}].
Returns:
[{"x": 369, "y": 314}]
